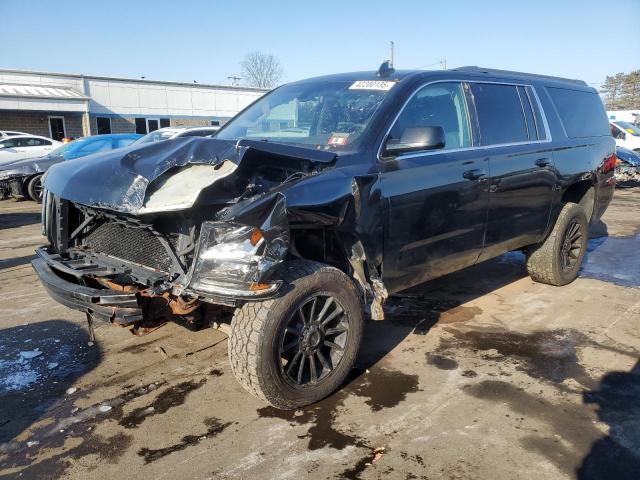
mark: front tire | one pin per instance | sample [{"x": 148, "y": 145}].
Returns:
[
  {"x": 35, "y": 188},
  {"x": 298, "y": 348},
  {"x": 557, "y": 260}
]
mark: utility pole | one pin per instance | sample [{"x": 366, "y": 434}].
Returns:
[
  {"x": 391, "y": 58},
  {"x": 235, "y": 81}
]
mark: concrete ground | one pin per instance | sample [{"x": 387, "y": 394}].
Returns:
[{"x": 482, "y": 374}]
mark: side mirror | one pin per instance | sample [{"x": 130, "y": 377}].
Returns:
[{"x": 415, "y": 139}]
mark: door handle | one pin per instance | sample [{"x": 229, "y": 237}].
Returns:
[
  {"x": 475, "y": 174},
  {"x": 543, "y": 162}
]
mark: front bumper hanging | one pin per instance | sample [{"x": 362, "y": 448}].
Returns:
[{"x": 102, "y": 304}]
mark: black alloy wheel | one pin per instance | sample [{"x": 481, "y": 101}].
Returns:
[
  {"x": 572, "y": 245},
  {"x": 314, "y": 340}
]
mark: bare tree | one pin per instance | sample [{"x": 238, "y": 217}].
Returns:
[{"x": 261, "y": 70}]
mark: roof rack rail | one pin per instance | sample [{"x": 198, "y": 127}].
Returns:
[{"x": 476, "y": 69}]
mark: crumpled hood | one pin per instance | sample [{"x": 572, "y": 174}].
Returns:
[{"x": 118, "y": 179}]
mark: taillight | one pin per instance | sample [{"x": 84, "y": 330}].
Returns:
[{"x": 609, "y": 163}]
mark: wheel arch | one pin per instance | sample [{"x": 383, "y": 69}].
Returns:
[{"x": 582, "y": 192}]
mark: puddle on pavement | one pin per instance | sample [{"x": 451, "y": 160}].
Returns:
[
  {"x": 382, "y": 388},
  {"x": 38, "y": 362},
  {"x": 441, "y": 362},
  {"x": 614, "y": 260},
  {"x": 549, "y": 355},
  {"x": 214, "y": 427},
  {"x": 69, "y": 422},
  {"x": 166, "y": 400}
]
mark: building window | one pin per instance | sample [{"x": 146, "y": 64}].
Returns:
[
  {"x": 164, "y": 122},
  {"x": 57, "y": 129},
  {"x": 215, "y": 123},
  {"x": 153, "y": 124},
  {"x": 141, "y": 126},
  {"x": 104, "y": 125}
]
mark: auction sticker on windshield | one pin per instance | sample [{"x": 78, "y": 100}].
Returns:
[{"x": 372, "y": 85}]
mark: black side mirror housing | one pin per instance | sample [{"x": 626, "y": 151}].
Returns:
[{"x": 415, "y": 139}]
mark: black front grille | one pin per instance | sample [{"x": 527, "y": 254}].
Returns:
[{"x": 137, "y": 245}]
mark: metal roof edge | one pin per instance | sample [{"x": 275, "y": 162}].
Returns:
[{"x": 135, "y": 80}]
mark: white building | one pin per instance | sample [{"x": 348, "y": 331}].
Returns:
[{"x": 61, "y": 105}]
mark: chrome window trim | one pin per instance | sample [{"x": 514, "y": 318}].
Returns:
[{"x": 423, "y": 153}]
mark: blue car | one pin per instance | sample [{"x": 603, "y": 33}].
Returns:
[{"x": 23, "y": 178}]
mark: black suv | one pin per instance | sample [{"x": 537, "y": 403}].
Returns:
[{"x": 323, "y": 196}]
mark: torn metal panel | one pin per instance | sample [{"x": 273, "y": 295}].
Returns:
[{"x": 132, "y": 180}]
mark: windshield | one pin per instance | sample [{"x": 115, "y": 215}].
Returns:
[
  {"x": 156, "y": 136},
  {"x": 328, "y": 115},
  {"x": 629, "y": 128}
]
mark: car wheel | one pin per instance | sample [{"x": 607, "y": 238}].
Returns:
[
  {"x": 35, "y": 188},
  {"x": 557, "y": 260},
  {"x": 298, "y": 348}
]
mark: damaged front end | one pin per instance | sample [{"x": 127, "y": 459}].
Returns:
[{"x": 154, "y": 249}]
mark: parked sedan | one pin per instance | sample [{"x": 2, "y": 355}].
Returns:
[
  {"x": 16, "y": 147},
  {"x": 168, "y": 133},
  {"x": 23, "y": 178}
]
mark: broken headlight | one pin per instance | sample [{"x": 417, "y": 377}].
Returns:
[{"x": 232, "y": 260}]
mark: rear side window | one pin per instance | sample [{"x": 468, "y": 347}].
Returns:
[
  {"x": 581, "y": 113},
  {"x": 500, "y": 114}
]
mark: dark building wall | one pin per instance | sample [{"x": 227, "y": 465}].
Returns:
[{"x": 37, "y": 123}]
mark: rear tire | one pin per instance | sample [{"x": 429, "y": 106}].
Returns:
[
  {"x": 273, "y": 345},
  {"x": 34, "y": 189},
  {"x": 557, "y": 260}
]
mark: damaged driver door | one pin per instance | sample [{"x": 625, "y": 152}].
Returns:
[{"x": 435, "y": 186}]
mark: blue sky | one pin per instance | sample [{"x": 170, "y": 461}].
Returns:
[{"x": 206, "y": 40}]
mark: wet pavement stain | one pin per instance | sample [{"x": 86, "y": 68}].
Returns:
[
  {"x": 215, "y": 426},
  {"x": 107, "y": 449},
  {"x": 172, "y": 397},
  {"x": 382, "y": 387},
  {"x": 549, "y": 355},
  {"x": 443, "y": 363},
  {"x": 614, "y": 260}
]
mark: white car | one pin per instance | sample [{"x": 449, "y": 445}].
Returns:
[
  {"x": 10, "y": 133},
  {"x": 168, "y": 133},
  {"x": 627, "y": 135},
  {"x": 25, "y": 146}
]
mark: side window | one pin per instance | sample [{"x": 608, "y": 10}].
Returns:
[
  {"x": 8, "y": 143},
  {"x": 500, "y": 114},
  {"x": 437, "y": 105},
  {"x": 94, "y": 147},
  {"x": 581, "y": 112},
  {"x": 35, "y": 142},
  {"x": 542, "y": 132},
  {"x": 122, "y": 142},
  {"x": 528, "y": 114}
]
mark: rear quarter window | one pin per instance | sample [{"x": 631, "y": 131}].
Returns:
[{"x": 581, "y": 113}]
